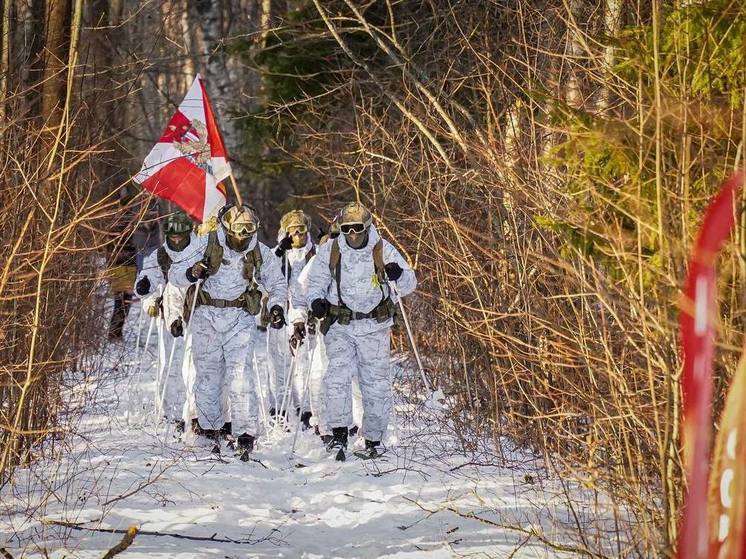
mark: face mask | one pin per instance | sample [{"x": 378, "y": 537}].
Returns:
[{"x": 180, "y": 244}]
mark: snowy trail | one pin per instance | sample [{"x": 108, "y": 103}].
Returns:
[{"x": 116, "y": 475}]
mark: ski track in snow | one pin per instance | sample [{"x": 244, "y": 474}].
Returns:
[{"x": 113, "y": 474}]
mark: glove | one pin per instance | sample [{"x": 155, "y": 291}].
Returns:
[
  {"x": 276, "y": 317},
  {"x": 177, "y": 328},
  {"x": 285, "y": 245},
  {"x": 153, "y": 310},
  {"x": 319, "y": 308},
  {"x": 197, "y": 272},
  {"x": 393, "y": 271},
  {"x": 143, "y": 286},
  {"x": 299, "y": 333},
  {"x": 311, "y": 326}
]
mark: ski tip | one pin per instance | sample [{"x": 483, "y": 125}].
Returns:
[{"x": 340, "y": 457}]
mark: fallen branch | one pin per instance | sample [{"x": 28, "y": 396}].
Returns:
[
  {"x": 127, "y": 540},
  {"x": 74, "y": 526}
]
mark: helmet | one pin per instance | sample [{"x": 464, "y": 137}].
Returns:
[
  {"x": 238, "y": 221},
  {"x": 295, "y": 221},
  {"x": 354, "y": 217},
  {"x": 177, "y": 223}
]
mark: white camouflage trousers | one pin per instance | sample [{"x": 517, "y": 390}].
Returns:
[
  {"x": 368, "y": 355},
  {"x": 319, "y": 366},
  {"x": 222, "y": 341}
]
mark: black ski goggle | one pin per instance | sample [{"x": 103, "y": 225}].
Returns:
[
  {"x": 177, "y": 228},
  {"x": 348, "y": 228}
]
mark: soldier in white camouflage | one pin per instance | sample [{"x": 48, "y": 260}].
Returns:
[
  {"x": 231, "y": 264},
  {"x": 348, "y": 290},
  {"x": 295, "y": 249}
]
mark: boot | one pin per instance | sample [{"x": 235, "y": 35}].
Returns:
[
  {"x": 244, "y": 446},
  {"x": 212, "y": 435},
  {"x": 226, "y": 430},
  {"x": 196, "y": 429},
  {"x": 338, "y": 440},
  {"x": 179, "y": 425},
  {"x": 370, "y": 450},
  {"x": 353, "y": 430},
  {"x": 305, "y": 419}
]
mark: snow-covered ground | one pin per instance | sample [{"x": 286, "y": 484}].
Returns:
[{"x": 422, "y": 499}]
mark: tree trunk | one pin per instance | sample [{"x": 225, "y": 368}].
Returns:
[{"x": 56, "y": 22}]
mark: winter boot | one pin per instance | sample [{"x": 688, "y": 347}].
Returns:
[
  {"x": 179, "y": 425},
  {"x": 226, "y": 430},
  {"x": 305, "y": 419},
  {"x": 353, "y": 431},
  {"x": 370, "y": 450},
  {"x": 338, "y": 443},
  {"x": 244, "y": 446},
  {"x": 196, "y": 429},
  {"x": 212, "y": 435}
]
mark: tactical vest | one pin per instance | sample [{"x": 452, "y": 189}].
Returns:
[
  {"x": 383, "y": 311},
  {"x": 250, "y": 300}
]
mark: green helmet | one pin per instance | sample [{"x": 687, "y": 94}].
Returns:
[{"x": 177, "y": 223}]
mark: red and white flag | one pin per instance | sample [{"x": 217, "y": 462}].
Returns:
[
  {"x": 705, "y": 530},
  {"x": 189, "y": 160}
]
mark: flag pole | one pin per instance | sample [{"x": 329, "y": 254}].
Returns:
[{"x": 235, "y": 189}]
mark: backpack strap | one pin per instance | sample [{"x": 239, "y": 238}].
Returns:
[
  {"x": 336, "y": 269},
  {"x": 164, "y": 261},
  {"x": 213, "y": 253},
  {"x": 378, "y": 262},
  {"x": 252, "y": 265},
  {"x": 310, "y": 254}
]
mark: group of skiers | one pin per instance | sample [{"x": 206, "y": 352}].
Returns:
[{"x": 310, "y": 323}]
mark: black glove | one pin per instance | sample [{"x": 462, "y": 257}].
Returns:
[
  {"x": 177, "y": 328},
  {"x": 276, "y": 317},
  {"x": 319, "y": 308},
  {"x": 285, "y": 245},
  {"x": 311, "y": 326},
  {"x": 143, "y": 286},
  {"x": 299, "y": 333},
  {"x": 198, "y": 271},
  {"x": 393, "y": 271}
]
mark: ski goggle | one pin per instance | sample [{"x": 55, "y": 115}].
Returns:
[
  {"x": 297, "y": 229},
  {"x": 176, "y": 228},
  {"x": 242, "y": 229},
  {"x": 348, "y": 228}
]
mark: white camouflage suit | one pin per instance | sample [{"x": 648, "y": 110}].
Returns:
[
  {"x": 319, "y": 364},
  {"x": 279, "y": 340},
  {"x": 364, "y": 345},
  {"x": 223, "y": 337},
  {"x": 176, "y": 405}
]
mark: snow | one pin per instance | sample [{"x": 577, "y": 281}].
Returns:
[{"x": 119, "y": 470}]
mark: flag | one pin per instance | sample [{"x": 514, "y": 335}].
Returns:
[
  {"x": 189, "y": 160},
  {"x": 697, "y": 320},
  {"x": 728, "y": 475}
]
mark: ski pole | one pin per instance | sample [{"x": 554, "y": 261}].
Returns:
[
  {"x": 411, "y": 337},
  {"x": 287, "y": 388},
  {"x": 162, "y": 398},
  {"x": 305, "y": 391},
  {"x": 260, "y": 392},
  {"x": 139, "y": 329},
  {"x": 136, "y": 378}
]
